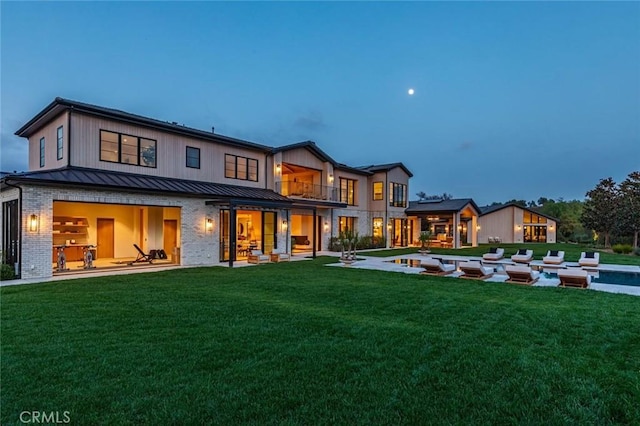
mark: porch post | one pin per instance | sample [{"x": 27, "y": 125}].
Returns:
[
  {"x": 232, "y": 233},
  {"x": 315, "y": 230},
  {"x": 456, "y": 231},
  {"x": 474, "y": 231}
]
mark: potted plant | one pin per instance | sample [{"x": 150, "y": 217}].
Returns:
[
  {"x": 425, "y": 241},
  {"x": 348, "y": 243}
]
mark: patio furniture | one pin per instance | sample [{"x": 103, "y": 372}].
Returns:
[
  {"x": 258, "y": 257},
  {"x": 589, "y": 258},
  {"x": 519, "y": 274},
  {"x": 142, "y": 256},
  {"x": 523, "y": 256},
  {"x": 280, "y": 256},
  {"x": 554, "y": 257},
  {"x": 495, "y": 253},
  {"x": 475, "y": 270},
  {"x": 436, "y": 267},
  {"x": 574, "y": 277}
]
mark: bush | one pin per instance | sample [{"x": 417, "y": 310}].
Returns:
[
  {"x": 7, "y": 272},
  {"x": 622, "y": 248},
  {"x": 366, "y": 242}
]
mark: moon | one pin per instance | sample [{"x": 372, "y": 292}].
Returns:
[{"x": 411, "y": 91}]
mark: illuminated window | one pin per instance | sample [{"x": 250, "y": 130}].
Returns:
[
  {"x": 377, "y": 191},
  {"x": 347, "y": 191},
  {"x": 397, "y": 194},
  {"x": 243, "y": 168},
  {"x": 127, "y": 149}
]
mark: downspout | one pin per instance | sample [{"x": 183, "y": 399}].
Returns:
[
  {"x": 19, "y": 274},
  {"x": 385, "y": 226},
  {"x": 266, "y": 172}
]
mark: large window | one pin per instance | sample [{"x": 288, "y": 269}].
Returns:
[
  {"x": 127, "y": 149},
  {"x": 398, "y": 194},
  {"x": 193, "y": 157},
  {"x": 377, "y": 191},
  {"x": 348, "y": 191},
  {"x": 535, "y": 234},
  {"x": 59, "y": 142},
  {"x": 41, "y": 152},
  {"x": 346, "y": 223},
  {"x": 243, "y": 168},
  {"x": 533, "y": 218},
  {"x": 378, "y": 226}
]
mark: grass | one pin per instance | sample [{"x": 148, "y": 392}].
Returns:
[
  {"x": 302, "y": 343},
  {"x": 572, "y": 252}
]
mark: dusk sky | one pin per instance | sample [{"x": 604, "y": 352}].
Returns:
[{"x": 512, "y": 100}]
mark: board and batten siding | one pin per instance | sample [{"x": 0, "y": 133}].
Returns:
[
  {"x": 50, "y": 134},
  {"x": 500, "y": 223},
  {"x": 302, "y": 157},
  {"x": 170, "y": 152}
]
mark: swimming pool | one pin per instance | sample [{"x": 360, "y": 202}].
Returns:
[
  {"x": 412, "y": 263},
  {"x": 609, "y": 277}
]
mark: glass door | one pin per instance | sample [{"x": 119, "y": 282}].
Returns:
[
  {"x": 269, "y": 230},
  {"x": 224, "y": 235}
]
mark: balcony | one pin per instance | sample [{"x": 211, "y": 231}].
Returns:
[{"x": 307, "y": 190}]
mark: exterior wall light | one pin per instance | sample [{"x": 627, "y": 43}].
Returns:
[
  {"x": 33, "y": 223},
  {"x": 326, "y": 226},
  {"x": 284, "y": 225},
  {"x": 208, "y": 225},
  {"x": 278, "y": 168},
  {"x": 330, "y": 178}
]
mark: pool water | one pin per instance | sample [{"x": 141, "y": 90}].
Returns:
[
  {"x": 610, "y": 277},
  {"x": 412, "y": 263}
]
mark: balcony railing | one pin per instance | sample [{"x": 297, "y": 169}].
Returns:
[{"x": 307, "y": 190}]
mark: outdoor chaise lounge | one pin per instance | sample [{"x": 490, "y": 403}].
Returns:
[
  {"x": 519, "y": 274},
  {"x": 258, "y": 257},
  {"x": 475, "y": 270},
  {"x": 589, "y": 258},
  {"x": 142, "y": 256},
  {"x": 436, "y": 267},
  {"x": 280, "y": 256},
  {"x": 494, "y": 254},
  {"x": 554, "y": 257},
  {"x": 574, "y": 277},
  {"x": 523, "y": 256}
]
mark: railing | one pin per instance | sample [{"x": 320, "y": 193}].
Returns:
[{"x": 307, "y": 190}]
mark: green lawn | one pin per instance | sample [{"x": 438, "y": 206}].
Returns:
[
  {"x": 572, "y": 252},
  {"x": 302, "y": 343}
]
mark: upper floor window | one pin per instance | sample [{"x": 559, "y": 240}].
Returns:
[
  {"x": 346, "y": 223},
  {"x": 397, "y": 194},
  {"x": 377, "y": 191},
  {"x": 236, "y": 167},
  {"x": 348, "y": 191},
  {"x": 533, "y": 218},
  {"x": 41, "y": 152},
  {"x": 193, "y": 157},
  {"x": 59, "y": 144},
  {"x": 127, "y": 149}
]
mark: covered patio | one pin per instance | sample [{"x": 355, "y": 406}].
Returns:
[{"x": 453, "y": 223}]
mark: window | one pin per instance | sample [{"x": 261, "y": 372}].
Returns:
[
  {"x": 397, "y": 194},
  {"x": 377, "y": 226},
  {"x": 60, "y": 142},
  {"x": 193, "y": 157},
  {"x": 41, "y": 152},
  {"x": 127, "y": 149},
  {"x": 533, "y": 218},
  {"x": 243, "y": 168},
  {"x": 347, "y": 191},
  {"x": 377, "y": 191},
  {"x": 346, "y": 223}
]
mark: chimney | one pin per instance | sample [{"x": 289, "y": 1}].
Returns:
[{"x": 213, "y": 129}]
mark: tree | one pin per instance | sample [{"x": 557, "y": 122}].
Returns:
[
  {"x": 601, "y": 209},
  {"x": 629, "y": 213},
  {"x": 421, "y": 195}
]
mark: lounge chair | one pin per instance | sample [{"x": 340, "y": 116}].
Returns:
[
  {"x": 258, "y": 257},
  {"x": 494, "y": 254},
  {"x": 519, "y": 274},
  {"x": 280, "y": 256},
  {"x": 475, "y": 270},
  {"x": 574, "y": 277},
  {"x": 142, "y": 256},
  {"x": 436, "y": 267},
  {"x": 589, "y": 258},
  {"x": 554, "y": 257},
  {"x": 523, "y": 256}
]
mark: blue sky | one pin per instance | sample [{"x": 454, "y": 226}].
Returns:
[{"x": 513, "y": 100}]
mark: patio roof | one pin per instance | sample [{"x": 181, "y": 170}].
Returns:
[
  {"x": 490, "y": 209},
  {"x": 441, "y": 206},
  {"x": 103, "y": 179}
]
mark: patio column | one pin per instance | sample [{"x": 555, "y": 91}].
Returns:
[
  {"x": 474, "y": 231},
  {"x": 456, "y": 231}
]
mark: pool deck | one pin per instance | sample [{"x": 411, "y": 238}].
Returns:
[{"x": 383, "y": 264}]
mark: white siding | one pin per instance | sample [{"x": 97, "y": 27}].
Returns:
[{"x": 49, "y": 132}]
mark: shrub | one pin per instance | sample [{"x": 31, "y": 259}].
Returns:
[
  {"x": 7, "y": 272},
  {"x": 366, "y": 242},
  {"x": 622, "y": 248}
]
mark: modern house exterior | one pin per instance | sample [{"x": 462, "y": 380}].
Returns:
[
  {"x": 453, "y": 223},
  {"x": 513, "y": 223},
  {"x": 104, "y": 179}
]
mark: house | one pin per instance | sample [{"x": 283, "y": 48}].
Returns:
[
  {"x": 453, "y": 222},
  {"x": 103, "y": 181},
  {"x": 513, "y": 223}
]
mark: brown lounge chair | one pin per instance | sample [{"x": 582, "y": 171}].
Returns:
[
  {"x": 589, "y": 258},
  {"x": 280, "y": 256},
  {"x": 574, "y": 277},
  {"x": 475, "y": 270},
  {"x": 258, "y": 257},
  {"x": 436, "y": 267},
  {"x": 519, "y": 274},
  {"x": 554, "y": 257}
]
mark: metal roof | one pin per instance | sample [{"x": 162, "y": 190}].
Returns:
[
  {"x": 386, "y": 167},
  {"x": 437, "y": 206},
  {"x": 490, "y": 209},
  {"x": 103, "y": 179}
]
